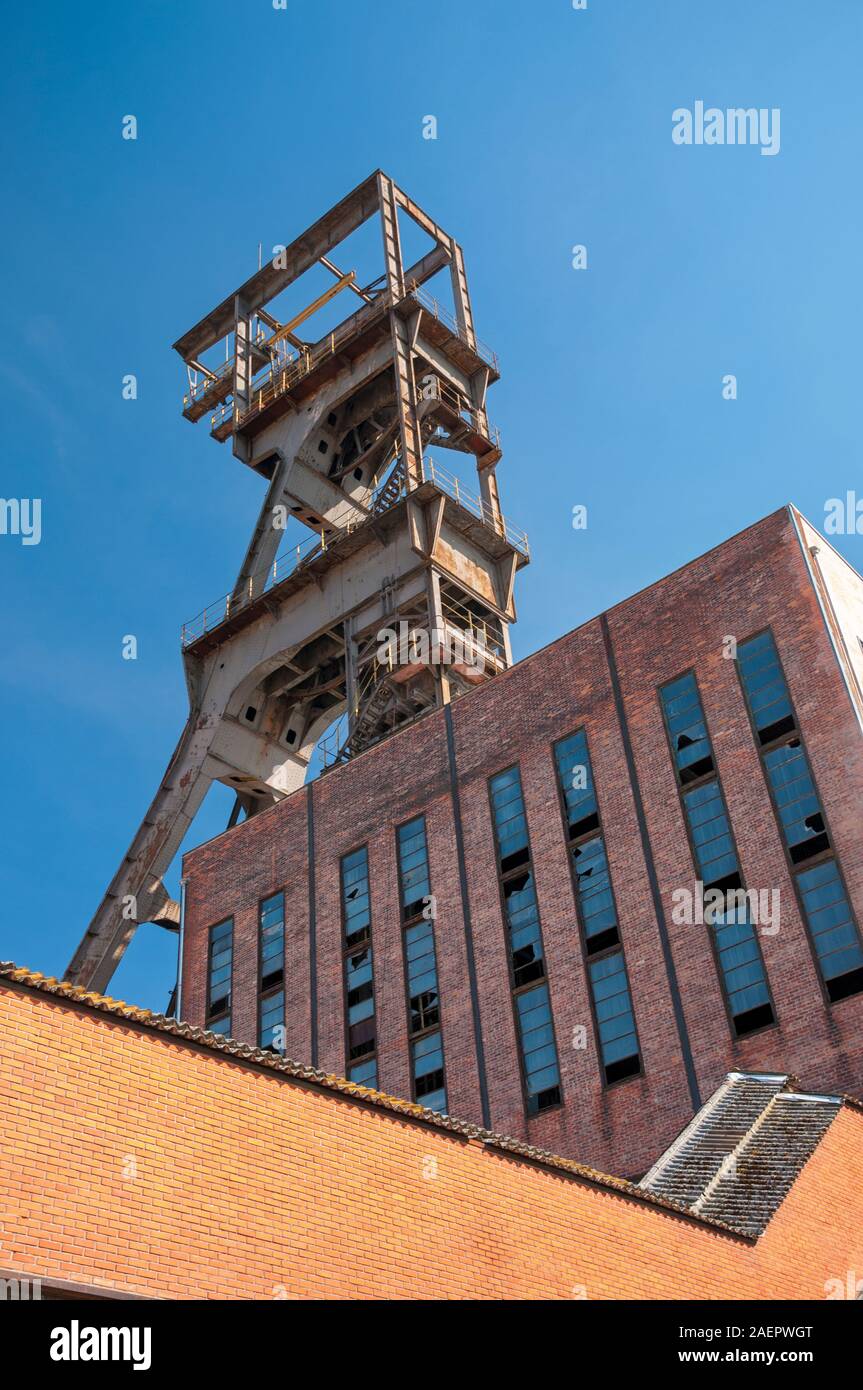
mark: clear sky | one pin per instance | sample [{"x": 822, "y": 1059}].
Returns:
[{"x": 554, "y": 129}]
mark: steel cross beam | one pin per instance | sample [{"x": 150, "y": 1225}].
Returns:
[{"x": 276, "y": 275}]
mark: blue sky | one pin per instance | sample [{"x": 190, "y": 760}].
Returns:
[{"x": 554, "y": 129}]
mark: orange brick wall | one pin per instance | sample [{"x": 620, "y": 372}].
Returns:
[{"x": 251, "y": 1184}]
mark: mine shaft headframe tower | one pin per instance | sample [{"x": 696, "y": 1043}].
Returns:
[
  {"x": 339, "y": 428},
  {"x": 246, "y": 404}
]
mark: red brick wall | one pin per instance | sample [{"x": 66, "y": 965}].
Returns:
[
  {"x": 139, "y": 1162},
  {"x": 264, "y": 859},
  {"x": 756, "y": 579}
]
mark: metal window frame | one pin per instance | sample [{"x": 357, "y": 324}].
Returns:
[
  {"x": 570, "y": 845},
  {"x": 825, "y": 855},
  {"x": 345, "y": 952},
  {"x": 705, "y": 781},
  {"x": 514, "y": 989},
  {"x": 265, "y": 994},
  {"x": 404, "y": 923},
  {"x": 229, "y": 1011}
]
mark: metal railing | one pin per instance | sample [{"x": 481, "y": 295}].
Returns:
[
  {"x": 447, "y": 482},
  {"x": 479, "y": 633},
  {"x": 431, "y": 305},
  {"x": 200, "y": 388},
  {"x": 218, "y": 375},
  {"x": 286, "y": 563},
  {"x": 275, "y": 380},
  {"x": 344, "y": 522},
  {"x": 439, "y": 390},
  {"x": 332, "y": 744}
]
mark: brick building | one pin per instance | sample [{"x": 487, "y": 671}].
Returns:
[
  {"x": 516, "y": 909},
  {"x": 162, "y": 1161}
]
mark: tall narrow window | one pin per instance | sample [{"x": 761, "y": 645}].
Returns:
[
  {"x": 417, "y": 908},
  {"x": 221, "y": 953},
  {"x": 797, "y": 806},
  {"x": 532, "y": 1005},
  {"x": 736, "y": 946},
  {"x": 362, "y": 1064},
  {"x": 271, "y": 983},
  {"x": 606, "y": 969}
]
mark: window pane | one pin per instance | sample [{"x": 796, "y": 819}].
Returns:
[
  {"x": 219, "y": 974},
  {"x": 617, "y": 1031},
  {"x": 358, "y": 966},
  {"x": 413, "y": 864},
  {"x": 836, "y": 955},
  {"x": 365, "y": 1074},
  {"x": 764, "y": 681},
  {"x": 540, "y": 1060}
]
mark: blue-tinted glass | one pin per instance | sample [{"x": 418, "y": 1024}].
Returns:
[
  {"x": 537, "y": 1041},
  {"x": 435, "y": 1100},
  {"x": 596, "y": 901},
  {"x": 355, "y": 895},
  {"x": 763, "y": 681},
  {"x": 510, "y": 822},
  {"x": 593, "y": 886},
  {"x": 272, "y": 1018},
  {"x": 365, "y": 1074},
  {"x": 428, "y": 1077},
  {"x": 711, "y": 833},
  {"x": 522, "y": 916},
  {"x": 428, "y": 1069},
  {"x": 420, "y": 959},
  {"x": 359, "y": 984},
  {"x": 359, "y": 976},
  {"x": 576, "y": 778},
  {"x": 272, "y": 930},
  {"x": 794, "y": 791},
  {"x": 740, "y": 959},
  {"x": 617, "y": 1033},
  {"x": 219, "y": 972},
  {"x": 420, "y": 953},
  {"x": 685, "y": 719},
  {"x": 831, "y": 924},
  {"x": 413, "y": 863}
]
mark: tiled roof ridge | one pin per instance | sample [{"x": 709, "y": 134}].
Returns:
[
  {"x": 728, "y": 1166},
  {"x": 668, "y": 1156},
  {"x": 217, "y": 1043},
  {"x": 739, "y": 1157},
  {"x": 756, "y": 1176},
  {"x": 791, "y": 1086}
]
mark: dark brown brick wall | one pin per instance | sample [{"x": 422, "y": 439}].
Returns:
[{"x": 754, "y": 580}]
